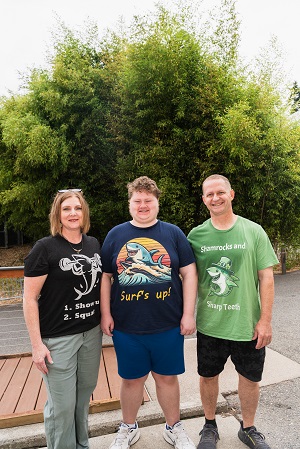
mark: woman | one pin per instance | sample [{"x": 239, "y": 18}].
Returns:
[
  {"x": 61, "y": 308},
  {"x": 148, "y": 309}
]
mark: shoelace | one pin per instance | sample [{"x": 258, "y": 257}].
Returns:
[
  {"x": 122, "y": 434},
  {"x": 255, "y": 435},
  {"x": 210, "y": 433},
  {"x": 181, "y": 435}
]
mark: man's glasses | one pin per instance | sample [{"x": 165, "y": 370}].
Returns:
[{"x": 69, "y": 190}]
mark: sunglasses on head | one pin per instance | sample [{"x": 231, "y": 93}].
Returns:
[{"x": 69, "y": 190}]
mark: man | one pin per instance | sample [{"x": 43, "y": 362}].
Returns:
[
  {"x": 235, "y": 262},
  {"x": 148, "y": 297}
]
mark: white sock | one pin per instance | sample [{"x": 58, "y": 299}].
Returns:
[{"x": 131, "y": 426}]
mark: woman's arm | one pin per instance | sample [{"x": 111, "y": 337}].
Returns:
[
  {"x": 107, "y": 322},
  {"x": 32, "y": 289}
]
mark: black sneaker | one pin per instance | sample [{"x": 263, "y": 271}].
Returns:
[
  {"x": 209, "y": 437},
  {"x": 252, "y": 438}
]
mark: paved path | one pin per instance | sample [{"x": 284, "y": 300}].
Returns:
[{"x": 13, "y": 333}]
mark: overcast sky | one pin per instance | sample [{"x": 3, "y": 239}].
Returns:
[{"x": 26, "y": 25}]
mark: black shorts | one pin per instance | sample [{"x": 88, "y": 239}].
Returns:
[{"x": 213, "y": 353}]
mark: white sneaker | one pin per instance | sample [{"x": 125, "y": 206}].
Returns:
[
  {"x": 126, "y": 436},
  {"x": 178, "y": 437}
]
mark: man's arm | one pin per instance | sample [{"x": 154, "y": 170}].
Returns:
[
  {"x": 263, "y": 328},
  {"x": 189, "y": 287}
]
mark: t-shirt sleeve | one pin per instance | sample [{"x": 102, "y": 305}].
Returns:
[
  {"x": 266, "y": 256},
  {"x": 36, "y": 262},
  {"x": 106, "y": 254},
  {"x": 186, "y": 255}
]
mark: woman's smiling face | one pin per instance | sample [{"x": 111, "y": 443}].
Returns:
[{"x": 71, "y": 215}]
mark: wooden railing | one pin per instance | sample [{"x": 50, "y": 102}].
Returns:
[{"x": 12, "y": 272}]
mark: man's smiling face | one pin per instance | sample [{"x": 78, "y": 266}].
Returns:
[{"x": 217, "y": 197}]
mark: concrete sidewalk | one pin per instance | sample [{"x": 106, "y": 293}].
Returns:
[{"x": 277, "y": 369}]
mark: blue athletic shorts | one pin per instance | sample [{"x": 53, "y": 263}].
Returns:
[{"x": 138, "y": 354}]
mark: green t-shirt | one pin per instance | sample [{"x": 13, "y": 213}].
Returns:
[{"x": 228, "y": 262}]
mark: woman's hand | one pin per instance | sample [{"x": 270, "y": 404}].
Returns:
[{"x": 39, "y": 356}]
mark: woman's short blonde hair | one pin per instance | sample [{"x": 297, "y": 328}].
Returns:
[{"x": 54, "y": 216}]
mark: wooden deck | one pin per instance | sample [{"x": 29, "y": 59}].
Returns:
[{"x": 23, "y": 393}]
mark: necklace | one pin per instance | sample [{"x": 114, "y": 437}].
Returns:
[{"x": 77, "y": 251}]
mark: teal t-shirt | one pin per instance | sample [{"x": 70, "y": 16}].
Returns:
[{"x": 228, "y": 262}]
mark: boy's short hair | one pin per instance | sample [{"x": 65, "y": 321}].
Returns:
[{"x": 143, "y": 183}]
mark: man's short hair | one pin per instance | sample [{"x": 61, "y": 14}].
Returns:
[{"x": 216, "y": 176}]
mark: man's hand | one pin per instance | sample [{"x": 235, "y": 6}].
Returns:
[
  {"x": 187, "y": 324},
  {"x": 263, "y": 334},
  {"x": 107, "y": 325}
]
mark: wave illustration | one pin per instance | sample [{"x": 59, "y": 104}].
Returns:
[{"x": 137, "y": 274}]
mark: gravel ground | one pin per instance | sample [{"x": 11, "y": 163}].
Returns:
[
  {"x": 278, "y": 414},
  {"x": 286, "y": 316}
]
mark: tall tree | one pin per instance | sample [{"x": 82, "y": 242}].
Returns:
[
  {"x": 260, "y": 147},
  {"x": 171, "y": 92},
  {"x": 55, "y": 136}
]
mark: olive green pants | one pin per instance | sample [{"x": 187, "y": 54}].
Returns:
[{"x": 70, "y": 382}]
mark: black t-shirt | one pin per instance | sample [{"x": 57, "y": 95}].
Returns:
[{"x": 69, "y": 302}]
